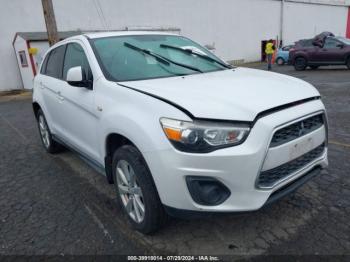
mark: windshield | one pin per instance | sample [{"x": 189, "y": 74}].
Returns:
[
  {"x": 344, "y": 40},
  {"x": 139, "y": 57}
]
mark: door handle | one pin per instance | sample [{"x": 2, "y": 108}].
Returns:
[{"x": 60, "y": 97}]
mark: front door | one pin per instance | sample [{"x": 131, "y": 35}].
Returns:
[
  {"x": 78, "y": 105},
  {"x": 332, "y": 52}
]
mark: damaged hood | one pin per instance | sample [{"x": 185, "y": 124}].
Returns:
[{"x": 239, "y": 94}]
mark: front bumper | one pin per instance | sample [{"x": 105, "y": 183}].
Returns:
[
  {"x": 237, "y": 167},
  {"x": 274, "y": 197}
]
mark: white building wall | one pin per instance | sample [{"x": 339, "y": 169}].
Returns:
[
  {"x": 236, "y": 27},
  {"x": 306, "y": 20},
  {"x": 26, "y": 73},
  {"x": 16, "y": 16},
  {"x": 42, "y": 47}
]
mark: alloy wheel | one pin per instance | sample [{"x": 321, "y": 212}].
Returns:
[
  {"x": 129, "y": 191},
  {"x": 44, "y": 131}
]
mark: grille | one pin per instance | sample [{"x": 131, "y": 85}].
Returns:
[
  {"x": 297, "y": 130},
  {"x": 270, "y": 177}
]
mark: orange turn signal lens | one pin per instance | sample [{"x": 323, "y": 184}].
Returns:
[{"x": 173, "y": 134}]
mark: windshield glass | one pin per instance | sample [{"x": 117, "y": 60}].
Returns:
[
  {"x": 139, "y": 57},
  {"x": 344, "y": 40}
]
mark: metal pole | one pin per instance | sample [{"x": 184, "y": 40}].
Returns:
[
  {"x": 282, "y": 23},
  {"x": 50, "y": 21}
]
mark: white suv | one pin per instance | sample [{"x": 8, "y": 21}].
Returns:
[{"x": 176, "y": 129}]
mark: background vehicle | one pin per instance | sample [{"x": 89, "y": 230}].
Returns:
[
  {"x": 176, "y": 129},
  {"x": 283, "y": 55},
  {"x": 332, "y": 51}
]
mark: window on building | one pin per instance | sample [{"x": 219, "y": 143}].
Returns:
[
  {"x": 23, "y": 58},
  {"x": 55, "y": 62},
  {"x": 75, "y": 56}
]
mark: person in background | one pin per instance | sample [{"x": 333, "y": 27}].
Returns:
[{"x": 269, "y": 51}]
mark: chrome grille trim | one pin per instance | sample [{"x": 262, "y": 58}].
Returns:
[
  {"x": 297, "y": 130},
  {"x": 297, "y": 174}
]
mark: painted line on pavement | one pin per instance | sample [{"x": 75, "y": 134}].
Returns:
[
  {"x": 99, "y": 223},
  {"x": 14, "y": 128},
  {"x": 339, "y": 144}
]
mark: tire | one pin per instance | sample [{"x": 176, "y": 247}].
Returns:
[
  {"x": 50, "y": 145},
  {"x": 300, "y": 64},
  {"x": 136, "y": 191},
  {"x": 314, "y": 67},
  {"x": 280, "y": 61},
  {"x": 348, "y": 63}
]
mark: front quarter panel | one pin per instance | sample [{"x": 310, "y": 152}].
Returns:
[{"x": 133, "y": 115}]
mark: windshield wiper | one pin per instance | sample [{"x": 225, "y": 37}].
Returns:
[
  {"x": 191, "y": 52},
  {"x": 161, "y": 58}
]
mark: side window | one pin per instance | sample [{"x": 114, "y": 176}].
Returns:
[
  {"x": 43, "y": 66},
  {"x": 75, "y": 56},
  {"x": 330, "y": 43},
  {"x": 55, "y": 62}
]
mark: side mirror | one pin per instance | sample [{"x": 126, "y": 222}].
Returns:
[
  {"x": 76, "y": 77},
  {"x": 341, "y": 46}
]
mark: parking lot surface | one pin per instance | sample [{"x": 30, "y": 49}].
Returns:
[{"x": 57, "y": 204}]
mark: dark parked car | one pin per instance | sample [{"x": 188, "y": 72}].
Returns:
[{"x": 330, "y": 51}]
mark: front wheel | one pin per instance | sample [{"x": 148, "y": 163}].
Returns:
[
  {"x": 300, "y": 64},
  {"x": 348, "y": 63},
  {"x": 136, "y": 190}
]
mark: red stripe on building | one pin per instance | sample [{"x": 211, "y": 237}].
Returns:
[
  {"x": 348, "y": 27},
  {"x": 31, "y": 59}
]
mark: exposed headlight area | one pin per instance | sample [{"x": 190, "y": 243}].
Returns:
[{"x": 203, "y": 136}]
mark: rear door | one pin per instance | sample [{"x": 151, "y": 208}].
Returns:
[
  {"x": 51, "y": 84},
  {"x": 81, "y": 116},
  {"x": 312, "y": 52}
]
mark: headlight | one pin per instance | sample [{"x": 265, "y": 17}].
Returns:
[{"x": 203, "y": 136}]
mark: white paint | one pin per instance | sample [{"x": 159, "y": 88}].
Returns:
[
  {"x": 236, "y": 28},
  {"x": 42, "y": 47},
  {"x": 16, "y": 16},
  {"x": 26, "y": 72},
  {"x": 309, "y": 20}
]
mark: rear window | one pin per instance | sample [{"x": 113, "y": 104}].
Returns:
[
  {"x": 306, "y": 43},
  {"x": 55, "y": 62}
]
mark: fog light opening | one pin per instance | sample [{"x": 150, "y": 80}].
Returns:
[{"x": 207, "y": 191}]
